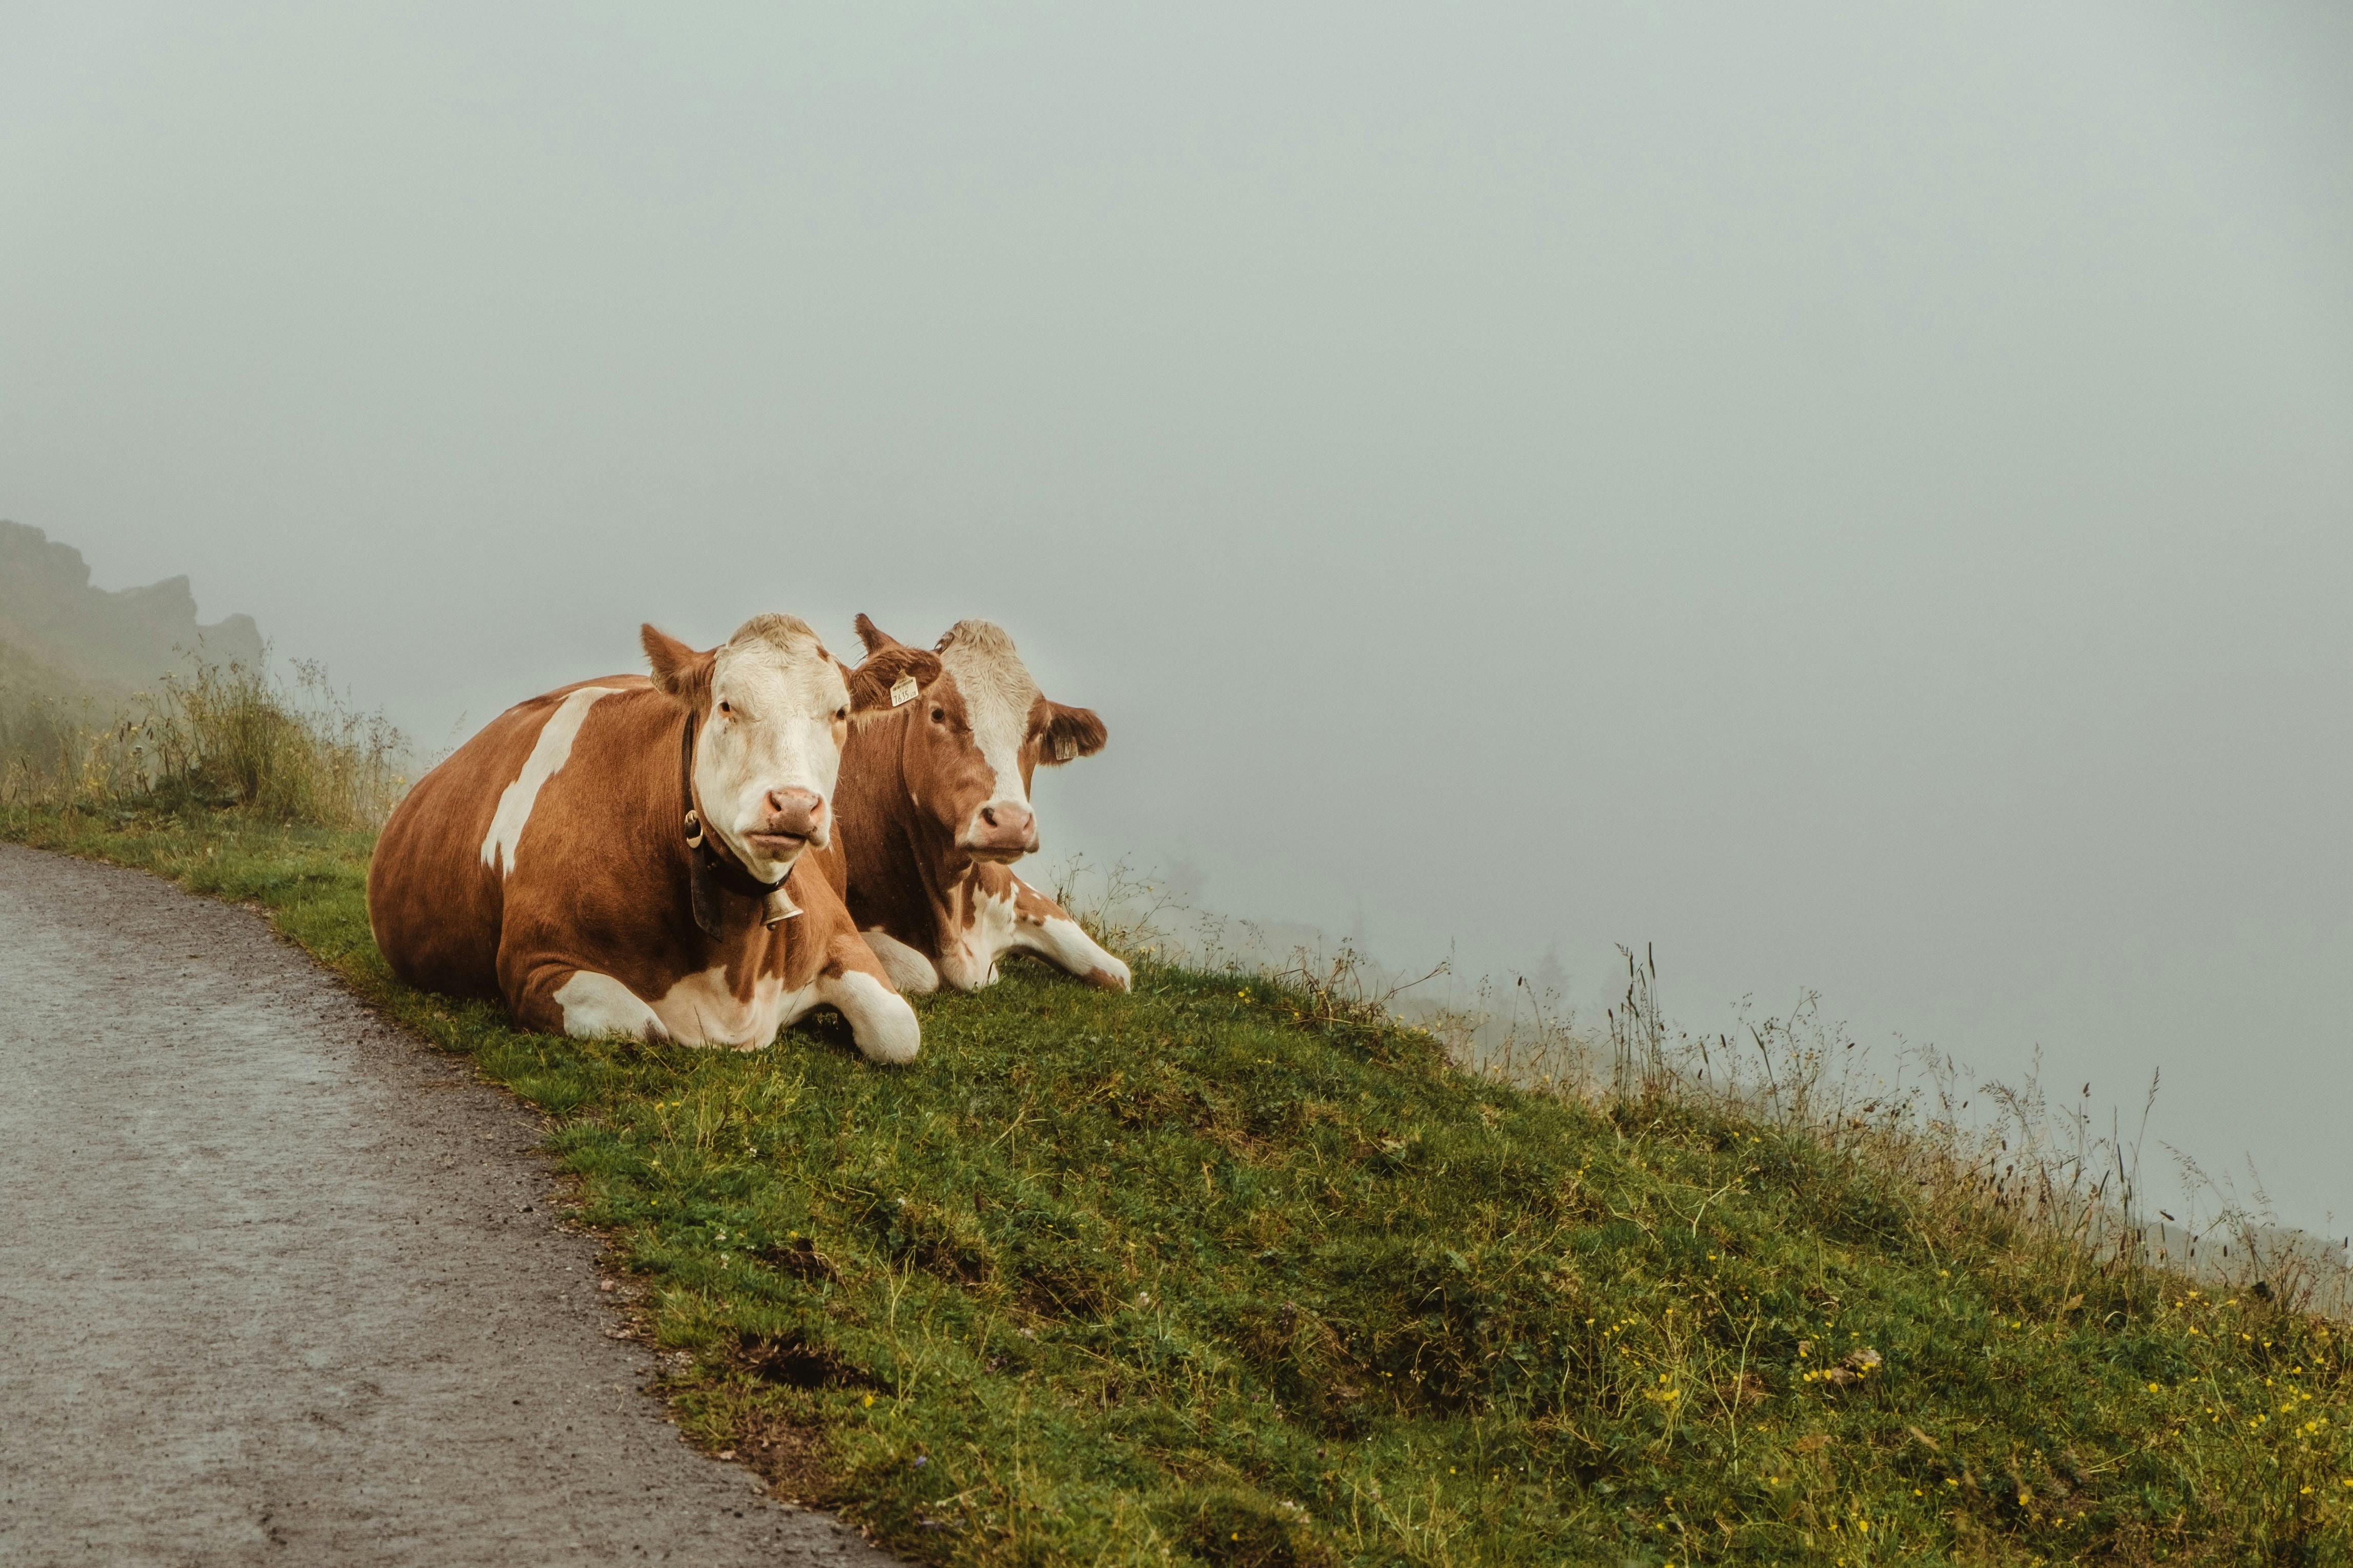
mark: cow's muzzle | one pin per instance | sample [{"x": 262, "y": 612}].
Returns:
[
  {"x": 1001, "y": 831},
  {"x": 796, "y": 818}
]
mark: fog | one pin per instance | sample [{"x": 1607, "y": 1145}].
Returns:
[{"x": 1858, "y": 498}]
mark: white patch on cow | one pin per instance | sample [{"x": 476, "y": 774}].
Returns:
[
  {"x": 998, "y": 696},
  {"x": 880, "y": 1021},
  {"x": 968, "y": 956},
  {"x": 703, "y": 1010},
  {"x": 800, "y": 1005},
  {"x": 781, "y": 691},
  {"x": 909, "y": 969},
  {"x": 596, "y": 1004},
  {"x": 1060, "y": 940},
  {"x": 548, "y": 754}
]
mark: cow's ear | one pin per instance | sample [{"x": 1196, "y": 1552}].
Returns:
[
  {"x": 677, "y": 668},
  {"x": 1071, "y": 732},
  {"x": 883, "y": 682},
  {"x": 875, "y": 638}
]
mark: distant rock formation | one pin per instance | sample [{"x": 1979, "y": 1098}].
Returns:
[{"x": 50, "y": 614}]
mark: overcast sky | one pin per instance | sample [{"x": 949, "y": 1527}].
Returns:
[{"x": 1859, "y": 496}]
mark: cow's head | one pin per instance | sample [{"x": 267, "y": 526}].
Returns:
[
  {"x": 771, "y": 709},
  {"x": 982, "y": 727}
]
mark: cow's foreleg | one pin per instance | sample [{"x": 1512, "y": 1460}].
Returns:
[
  {"x": 854, "y": 983},
  {"x": 584, "y": 1003},
  {"x": 1041, "y": 926},
  {"x": 909, "y": 969}
]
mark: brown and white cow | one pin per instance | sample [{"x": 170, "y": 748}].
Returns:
[
  {"x": 934, "y": 808},
  {"x": 625, "y": 856}
]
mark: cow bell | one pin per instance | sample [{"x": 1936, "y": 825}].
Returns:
[{"x": 778, "y": 907}]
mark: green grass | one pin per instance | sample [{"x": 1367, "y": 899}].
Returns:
[{"x": 1189, "y": 1275}]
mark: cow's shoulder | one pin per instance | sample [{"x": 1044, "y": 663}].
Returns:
[
  {"x": 594, "y": 763},
  {"x": 546, "y": 737},
  {"x": 616, "y": 683},
  {"x": 511, "y": 736}
]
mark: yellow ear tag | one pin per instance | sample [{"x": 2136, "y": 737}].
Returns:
[
  {"x": 902, "y": 691},
  {"x": 1065, "y": 748}
]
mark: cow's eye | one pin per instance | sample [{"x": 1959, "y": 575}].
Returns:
[
  {"x": 939, "y": 715},
  {"x": 724, "y": 709},
  {"x": 839, "y": 714}
]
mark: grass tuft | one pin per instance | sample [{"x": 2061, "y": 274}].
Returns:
[{"x": 215, "y": 737}]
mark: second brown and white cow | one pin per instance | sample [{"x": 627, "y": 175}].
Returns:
[
  {"x": 935, "y": 808},
  {"x": 626, "y": 855}
]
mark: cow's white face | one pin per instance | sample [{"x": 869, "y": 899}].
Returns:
[
  {"x": 988, "y": 688},
  {"x": 770, "y": 747},
  {"x": 982, "y": 727}
]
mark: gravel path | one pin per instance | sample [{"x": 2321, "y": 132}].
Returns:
[{"x": 280, "y": 1284}]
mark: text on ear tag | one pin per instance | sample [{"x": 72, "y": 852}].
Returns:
[
  {"x": 1065, "y": 748},
  {"x": 902, "y": 691}
]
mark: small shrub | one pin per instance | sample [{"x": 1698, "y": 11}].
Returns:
[{"x": 219, "y": 737}]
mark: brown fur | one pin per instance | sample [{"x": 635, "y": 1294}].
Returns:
[
  {"x": 600, "y": 875},
  {"x": 907, "y": 780}
]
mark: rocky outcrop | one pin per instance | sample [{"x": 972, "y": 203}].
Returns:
[{"x": 124, "y": 638}]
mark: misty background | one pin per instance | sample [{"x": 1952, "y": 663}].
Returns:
[{"x": 1858, "y": 498}]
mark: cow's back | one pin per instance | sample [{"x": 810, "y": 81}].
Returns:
[{"x": 437, "y": 880}]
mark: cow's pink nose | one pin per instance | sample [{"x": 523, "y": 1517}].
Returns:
[
  {"x": 800, "y": 812},
  {"x": 1007, "y": 827}
]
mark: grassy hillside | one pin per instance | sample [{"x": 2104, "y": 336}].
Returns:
[{"x": 1196, "y": 1275}]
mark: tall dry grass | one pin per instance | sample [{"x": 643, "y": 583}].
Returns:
[{"x": 219, "y": 737}]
